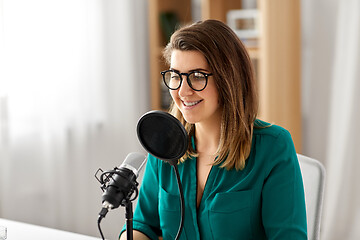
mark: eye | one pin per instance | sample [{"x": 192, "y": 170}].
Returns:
[
  {"x": 175, "y": 76},
  {"x": 198, "y": 76}
]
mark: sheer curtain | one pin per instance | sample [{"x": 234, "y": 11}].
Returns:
[
  {"x": 69, "y": 102},
  {"x": 331, "y": 44},
  {"x": 342, "y": 206}
]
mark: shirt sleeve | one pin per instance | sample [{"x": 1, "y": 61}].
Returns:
[
  {"x": 146, "y": 217},
  {"x": 283, "y": 200}
]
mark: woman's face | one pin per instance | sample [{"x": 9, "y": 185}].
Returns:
[{"x": 196, "y": 106}]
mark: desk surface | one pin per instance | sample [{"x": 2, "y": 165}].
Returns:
[{"x": 21, "y": 231}]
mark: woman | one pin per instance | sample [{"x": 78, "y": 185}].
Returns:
[{"x": 240, "y": 176}]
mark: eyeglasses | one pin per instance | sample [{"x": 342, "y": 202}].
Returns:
[{"x": 197, "y": 80}]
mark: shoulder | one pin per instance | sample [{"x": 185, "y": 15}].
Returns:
[
  {"x": 273, "y": 144},
  {"x": 273, "y": 148},
  {"x": 271, "y": 132},
  {"x": 271, "y": 141}
]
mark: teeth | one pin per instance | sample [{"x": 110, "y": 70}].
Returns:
[{"x": 189, "y": 104}]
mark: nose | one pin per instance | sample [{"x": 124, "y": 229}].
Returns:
[{"x": 185, "y": 89}]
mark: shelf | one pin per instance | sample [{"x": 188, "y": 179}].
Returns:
[
  {"x": 253, "y": 52},
  {"x": 276, "y": 57}
]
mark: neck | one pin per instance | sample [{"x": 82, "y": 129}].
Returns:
[{"x": 207, "y": 137}]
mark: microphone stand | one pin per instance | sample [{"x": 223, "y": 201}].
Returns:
[
  {"x": 126, "y": 202},
  {"x": 129, "y": 218},
  {"x": 182, "y": 202}
]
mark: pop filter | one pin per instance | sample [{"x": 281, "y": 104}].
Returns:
[{"x": 162, "y": 135}]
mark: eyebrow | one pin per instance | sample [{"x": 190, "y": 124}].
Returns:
[{"x": 192, "y": 70}]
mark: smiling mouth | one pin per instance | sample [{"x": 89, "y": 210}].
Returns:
[{"x": 191, "y": 104}]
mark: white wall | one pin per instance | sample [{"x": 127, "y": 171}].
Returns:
[{"x": 318, "y": 41}]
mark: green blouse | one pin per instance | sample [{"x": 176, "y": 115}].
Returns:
[{"x": 265, "y": 200}]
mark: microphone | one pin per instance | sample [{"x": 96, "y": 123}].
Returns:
[
  {"x": 119, "y": 184},
  {"x": 163, "y": 136}
]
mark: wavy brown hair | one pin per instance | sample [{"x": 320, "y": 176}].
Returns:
[{"x": 234, "y": 77}]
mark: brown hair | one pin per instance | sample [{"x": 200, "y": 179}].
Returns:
[{"x": 234, "y": 77}]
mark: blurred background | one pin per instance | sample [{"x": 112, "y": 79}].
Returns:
[{"x": 76, "y": 75}]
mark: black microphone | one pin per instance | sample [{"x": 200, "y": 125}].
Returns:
[{"x": 119, "y": 184}]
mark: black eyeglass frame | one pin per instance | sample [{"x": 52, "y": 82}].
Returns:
[{"x": 187, "y": 78}]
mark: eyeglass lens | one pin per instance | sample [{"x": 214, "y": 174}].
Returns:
[{"x": 196, "y": 80}]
